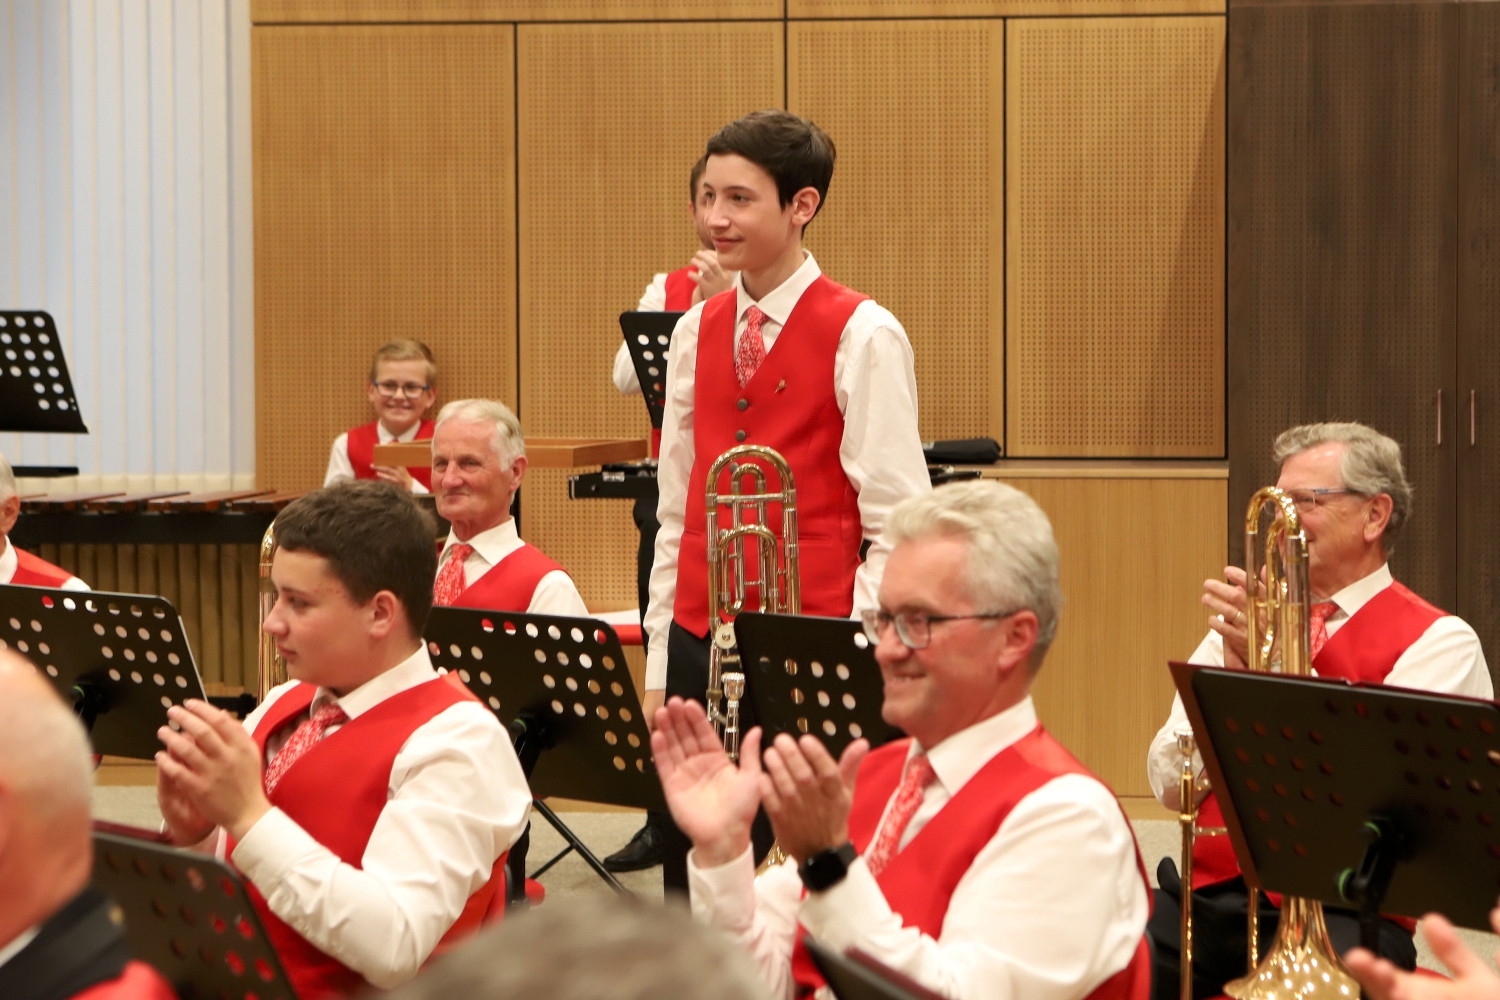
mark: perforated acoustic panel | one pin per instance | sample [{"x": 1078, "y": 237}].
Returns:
[
  {"x": 994, "y": 8},
  {"x": 384, "y": 207},
  {"x": 1115, "y": 242},
  {"x": 416, "y": 11},
  {"x": 612, "y": 118},
  {"x": 915, "y": 214}
]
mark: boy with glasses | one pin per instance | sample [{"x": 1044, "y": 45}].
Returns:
[{"x": 402, "y": 388}]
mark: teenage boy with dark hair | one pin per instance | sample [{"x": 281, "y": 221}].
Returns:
[
  {"x": 369, "y": 802},
  {"x": 790, "y": 360},
  {"x": 401, "y": 389}
]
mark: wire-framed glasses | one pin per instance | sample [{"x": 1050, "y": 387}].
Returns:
[
  {"x": 1306, "y": 500},
  {"x": 914, "y": 628},
  {"x": 411, "y": 390}
]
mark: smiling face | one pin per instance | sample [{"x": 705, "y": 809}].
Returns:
[
  {"x": 971, "y": 669},
  {"x": 398, "y": 413},
  {"x": 751, "y": 230},
  {"x": 1343, "y": 531},
  {"x": 473, "y": 488},
  {"x": 325, "y": 636}
]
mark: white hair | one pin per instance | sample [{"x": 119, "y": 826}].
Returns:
[
  {"x": 507, "y": 442},
  {"x": 1013, "y": 562},
  {"x": 44, "y": 751},
  {"x": 1371, "y": 465},
  {"x": 8, "y": 486}
]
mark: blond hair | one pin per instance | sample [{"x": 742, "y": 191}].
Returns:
[{"x": 404, "y": 349}]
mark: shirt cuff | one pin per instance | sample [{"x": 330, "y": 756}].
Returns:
[
  {"x": 850, "y": 912},
  {"x": 656, "y": 670},
  {"x": 272, "y": 848},
  {"x": 724, "y": 896}
]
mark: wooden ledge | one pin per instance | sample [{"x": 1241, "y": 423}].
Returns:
[{"x": 1100, "y": 468}]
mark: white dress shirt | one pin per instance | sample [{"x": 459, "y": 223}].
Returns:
[
  {"x": 19, "y": 943},
  {"x": 1446, "y": 659},
  {"x": 881, "y": 453},
  {"x": 457, "y": 801},
  {"x": 653, "y": 299},
  {"x": 9, "y": 562},
  {"x": 1052, "y": 906},
  {"x": 555, "y": 593},
  {"x": 339, "y": 466}
]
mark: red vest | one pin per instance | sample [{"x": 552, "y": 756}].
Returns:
[
  {"x": 362, "y": 442},
  {"x": 336, "y": 792},
  {"x": 680, "y": 288},
  {"x": 34, "y": 572},
  {"x": 919, "y": 881},
  {"x": 1363, "y": 650},
  {"x": 139, "y": 981},
  {"x": 790, "y": 406},
  {"x": 509, "y": 584}
]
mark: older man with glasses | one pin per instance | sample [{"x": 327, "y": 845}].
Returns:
[
  {"x": 1350, "y": 488},
  {"x": 977, "y": 856}
]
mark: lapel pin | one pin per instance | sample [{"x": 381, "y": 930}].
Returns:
[{"x": 781, "y": 385}]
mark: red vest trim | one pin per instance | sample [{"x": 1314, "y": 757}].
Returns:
[
  {"x": 336, "y": 792},
  {"x": 919, "y": 881},
  {"x": 34, "y": 572},
  {"x": 509, "y": 584},
  {"x": 139, "y": 981},
  {"x": 1364, "y": 650},
  {"x": 680, "y": 289},
  {"x": 791, "y": 407},
  {"x": 362, "y": 442}
]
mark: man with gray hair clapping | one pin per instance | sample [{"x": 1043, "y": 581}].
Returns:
[
  {"x": 1351, "y": 491},
  {"x": 478, "y": 461},
  {"x": 977, "y": 856},
  {"x": 17, "y": 566}
]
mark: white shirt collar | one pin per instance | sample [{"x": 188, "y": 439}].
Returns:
[
  {"x": 415, "y": 669},
  {"x": 959, "y": 757},
  {"x": 492, "y": 544},
  {"x": 781, "y": 300},
  {"x": 9, "y": 562},
  {"x": 19, "y": 944},
  {"x": 386, "y": 437},
  {"x": 1358, "y": 593}
]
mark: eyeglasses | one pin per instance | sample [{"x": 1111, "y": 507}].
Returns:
[
  {"x": 1306, "y": 500},
  {"x": 914, "y": 628},
  {"x": 390, "y": 390}
]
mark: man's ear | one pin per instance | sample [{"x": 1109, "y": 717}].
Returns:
[
  {"x": 9, "y": 511},
  {"x": 387, "y": 614},
  {"x": 1379, "y": 516},
  {"x": 804, "y": 205},
  {"x": 1020, "y": 632},
  {"x": 518, "y": 469}
]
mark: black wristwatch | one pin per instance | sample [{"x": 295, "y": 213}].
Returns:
[{"x": 827, "y": 869}]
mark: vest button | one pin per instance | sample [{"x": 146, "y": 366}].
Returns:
[
  {"x": 739, "y": 435},
  {"x": 743, "y": 404}
]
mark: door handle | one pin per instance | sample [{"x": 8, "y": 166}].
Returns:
[
  {"x": 1440, "y": 418},
  {"x": 1471, "y": 418}
]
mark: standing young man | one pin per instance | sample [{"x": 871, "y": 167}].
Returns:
[{"x": 791, "y": 360}]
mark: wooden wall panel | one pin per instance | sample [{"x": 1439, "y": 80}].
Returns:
[
  {"x": 611, "y": 120},
  {"x": 915, "y": 215},
  {"x": 384, "y": 207},
  {"x": 1135, "y": 553},
  {"x": 1115, "y": 242},
  {"x": 419, "y": 11},
  {"x": 994, "y": 8}
]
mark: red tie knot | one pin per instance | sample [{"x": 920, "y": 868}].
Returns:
[{"x": 460, "y": 552}]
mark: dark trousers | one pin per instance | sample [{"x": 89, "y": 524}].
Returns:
[
  {"x": 644, "y": 513},
  {"x": 1220, "y": 935},
  {"x": 687, "y": 677}
]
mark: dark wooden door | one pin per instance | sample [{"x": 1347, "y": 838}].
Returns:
[{"x": 1342, "y": 187}]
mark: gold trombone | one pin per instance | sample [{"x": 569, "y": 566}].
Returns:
[
  {"x": 271, "y": 668},
  {"x": 730, "y": 555}
]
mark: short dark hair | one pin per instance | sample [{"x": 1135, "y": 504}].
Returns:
[
  {"x": 795, "y": 152},
  {"x": 374, "y": 536},
  {"x": 695, "y": 177}
]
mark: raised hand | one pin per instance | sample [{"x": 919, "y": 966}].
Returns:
[
  {"x": 711, "y": 277},
  {"x": 215, "y": 765},
  {"x": 712, "y": 801},
  {"x": 1472, "y": 978},
  {"x": 1227, "y": 602},
  {"x": 807, "y": 793}
]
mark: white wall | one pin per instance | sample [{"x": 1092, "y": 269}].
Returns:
[{"x": 125, "y": 212}]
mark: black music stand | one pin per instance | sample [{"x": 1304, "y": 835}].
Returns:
[
  {"x": 561, "y": 686},
  {"x": 36, "y": 392},
  {"x": 858, "y": 975},
  {"x": 188, "y": 916},
  {"x": 121, "y": 660},
  {"x": 1377, "y": 797},
  {"x": 812, "y": 675},
  {"x": 649, "y": 337}
]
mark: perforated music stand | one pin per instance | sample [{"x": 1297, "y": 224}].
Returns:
[
  {"x": 561, "y": 686},
  {"x": 858, "y": 975},
  {"x": 36, "y": 392},
  {"x": 188, "y": 916},
  {"x": 806, "y": 674},
  {"x": 1372, "y": 796},
  {"x": 121, "y": 660},
  {"x": 649, "y": 337}
]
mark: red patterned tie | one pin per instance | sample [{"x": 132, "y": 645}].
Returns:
[
  {"x": 904, "y": 806},
  {"x": 304, "y": 739},
  {"x": 1319, "y": 625},
  {"x": 751, "y": 350},
  {"x": 450, "y": 579}
]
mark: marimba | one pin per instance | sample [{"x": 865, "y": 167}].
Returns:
[{"x": 171, "y": 517}]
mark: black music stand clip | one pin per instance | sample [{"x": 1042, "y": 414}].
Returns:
[
  {"x": 562, "y": 689},
  {"x": 121, "y": 660},
  {"x": 1364, "y": 795}
]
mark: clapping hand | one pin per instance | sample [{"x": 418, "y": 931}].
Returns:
[
  {"x": 712, "y": 800},
  {"x": 807, "y": 793},
  {"x": 1472, "y": 978}
]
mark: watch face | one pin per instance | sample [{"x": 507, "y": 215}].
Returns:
[{"x": 827, "y": 868}]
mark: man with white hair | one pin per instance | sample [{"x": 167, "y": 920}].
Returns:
[
  {"x": 1351, "y": 491},
  {"x": 17, "y": 566},
  {"x": 57, "y": 938},
  {"x": 978, "y": 856},
  {"x": 478, "y": 461}
]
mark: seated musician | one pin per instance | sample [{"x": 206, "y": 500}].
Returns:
[
  {"x": 478, "y": 461},
  {"x": 401, "y": 389},
  {"x": 57, "y": 941},
  {"x": 17, "y": 566},
  {"x": 1352, "y": 494},
  {"x": 369, "y": 802},
  {"x": 978, "y": 856}
]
